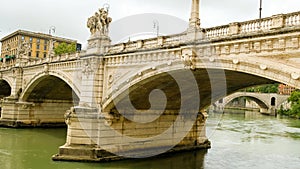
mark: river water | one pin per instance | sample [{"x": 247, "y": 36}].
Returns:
[{"x": 239, "y": 141}]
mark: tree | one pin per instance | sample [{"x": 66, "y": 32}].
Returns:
[
  {"x": 63, "y": 48},
  {"x": 294, "y": 99},
  {"x": 270, "y": 88}
]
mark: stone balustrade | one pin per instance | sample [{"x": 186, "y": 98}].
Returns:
[
  {"x": 166, "y": 41},
  {"x": 218, "y": 31},
  {"x": 237, "y": 28},
  {"x": 214, "y": 33},
  {"x": 36, "y": 61},
  {"x": 115, "y": 54},
  {"x": 292, "y": 19}
]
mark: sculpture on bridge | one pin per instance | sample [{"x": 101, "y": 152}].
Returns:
[
  {"x": 188, "y": 58},
  {"x": 51, "y": 52},
  {"x": 99, "y": 22},
  {"x": 23, "y": 50}
]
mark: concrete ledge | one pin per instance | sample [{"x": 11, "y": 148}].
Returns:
[
  {"x": 30, "y": 124},
  {"x": 81, "y": 153}
]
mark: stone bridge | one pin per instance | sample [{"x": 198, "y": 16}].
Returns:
[
  {"x": 268, "y": 102},
  {"x": 145, "y": 97}
]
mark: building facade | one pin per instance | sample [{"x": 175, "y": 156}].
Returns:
[
  {"x": 285, "y": 89},
  {"x": 39, "y": 43}
]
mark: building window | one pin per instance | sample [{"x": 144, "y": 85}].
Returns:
[
  {"x": 22, "y": 38},
  {"x": 30, "y": 39},
  {"x": 45, "y": 47},
  {"x": 38, "y": 40},
  {"x": 37, "y": 46},
  {"x": 37, "y": 54},
  {"x": 45, "y": 55},
  {"x": 29, "y": 54},
  {"x": 45, "y": 42}
]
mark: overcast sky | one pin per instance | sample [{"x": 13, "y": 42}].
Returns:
[{"x": 69, "y": 16}]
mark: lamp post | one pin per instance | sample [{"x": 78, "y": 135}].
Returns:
[
  {"x": 52, "y": 29},
  {"x": 156, "y": 25},
  {"x": 106, "y": 6},
  {"x": 260, "y": 8}
]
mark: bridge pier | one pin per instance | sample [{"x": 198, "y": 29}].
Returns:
[
  {"x": 270, "y": 111},
  {"x": 49, "y": 113},
  {"x": 109, "y": 136}
]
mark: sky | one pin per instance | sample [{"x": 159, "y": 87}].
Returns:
[{"x": 69, "y": 16}]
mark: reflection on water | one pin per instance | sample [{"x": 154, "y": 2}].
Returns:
[{"x": 248, "y": 140}]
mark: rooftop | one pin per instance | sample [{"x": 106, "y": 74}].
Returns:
[{"x": 36, "y": 35}]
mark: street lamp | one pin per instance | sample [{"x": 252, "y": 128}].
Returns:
[
  {"x": 106, "y": 6},
  {"x": 260, "y": 9},
  {"x": 156, "y": 25},
  {"x": 52, "y": 29}
]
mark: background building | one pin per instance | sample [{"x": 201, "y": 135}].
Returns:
[
  {"x": 39, "y": 43},
  {"x": 285, "y": 89}
]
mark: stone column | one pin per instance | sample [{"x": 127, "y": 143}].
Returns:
[
  {"x": 194, "y": 19},
  {"x": 194, "y": 31}
]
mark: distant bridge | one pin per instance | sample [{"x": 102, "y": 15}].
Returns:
[{"x": 268, "y": 102}]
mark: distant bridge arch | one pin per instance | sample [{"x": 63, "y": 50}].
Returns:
[{"x": 266, "y": 101}]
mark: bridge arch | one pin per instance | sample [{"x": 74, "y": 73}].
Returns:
[
  {"x": 262, "y": 103},
  {"x": 147, "y": 75},
  {"x": 46, "y": 99},
  {"x": 5, "y": 88},
  {"x": 254, "y": 71},
  {"x": 60, "y": 77}
]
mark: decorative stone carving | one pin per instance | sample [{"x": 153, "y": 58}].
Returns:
[
  {"x": 110, "y": 79},
  {"x": 99, "y": 22},
  {"x": 87, "y": 68},
  {"x": 23, "y": 50},
  {"x": 108, "y": 119},
  {"x": 263, "y": 67},
  {"x": 92, "y": 44},
  {"x": 46, "y": 69},
  {"x": 51, "y": 52},
  {"x": 235, "y": 61},
  {"x": 236, "y": 48},
  {"x": 68, "y": 115},
  {"x": 189, "y": 58},
  {"x": 295, "y": 76}
]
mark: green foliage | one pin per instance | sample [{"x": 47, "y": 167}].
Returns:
[
  {"x": 270, "y": 88},
  {"x": 295, "y": 103},
  {"x": 63, "y": 48},
  {"x": 294, "y": 99}
]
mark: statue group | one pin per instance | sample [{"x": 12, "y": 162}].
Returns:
[{"x": 99, "y": 22}]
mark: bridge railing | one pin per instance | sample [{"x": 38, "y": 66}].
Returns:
[
  {"x": 237, "y": 28},
  {"x": 252, "y": 26},
  {"x": 36, "y": 61},
  {"x": 151, "y": 43},
  {"x": 292, "y": 19},
  {"x": 7, "y": 64}
]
